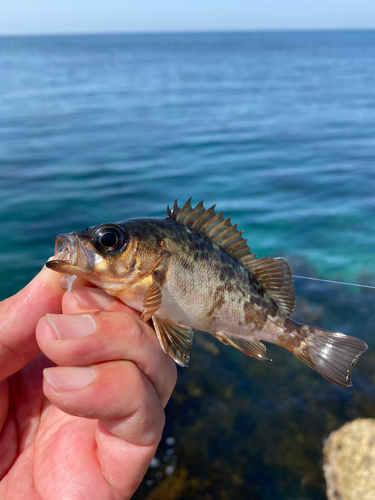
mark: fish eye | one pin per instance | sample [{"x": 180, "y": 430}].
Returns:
[{"x": 108, "y": 238}]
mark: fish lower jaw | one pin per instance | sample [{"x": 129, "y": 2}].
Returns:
[{"x": 63, "y": 267}]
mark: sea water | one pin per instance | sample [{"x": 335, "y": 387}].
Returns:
[{"x": 277, "y": 129}]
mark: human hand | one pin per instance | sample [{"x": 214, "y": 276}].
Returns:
[{"x": 93, "y": 442}]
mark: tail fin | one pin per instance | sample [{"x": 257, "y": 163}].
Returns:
[{"x": 331, "y": 354}]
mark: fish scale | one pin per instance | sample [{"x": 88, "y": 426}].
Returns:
[{"x": 194, "y": 271}]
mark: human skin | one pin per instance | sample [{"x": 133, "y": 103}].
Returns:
[{"x": 89, "y": 427}]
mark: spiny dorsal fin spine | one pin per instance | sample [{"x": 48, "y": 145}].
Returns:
[
  {"x": 237, "y": 244},
  {"x": 274, "y": 274},
  {"x": 206, "y": 214},
  {"x": 231, "y": 237},
  {"x": 185, "y": 209},
  {"x": 216, "y": 227},
  {"x": 190, "y": 217},
  {"x": 207, "y": 224},
  {"x": 248, "y": 258},
  {"x": 223, "y": 231},
  {"x": 238, "y": 253},
  {"x": 175, "y": 207}
]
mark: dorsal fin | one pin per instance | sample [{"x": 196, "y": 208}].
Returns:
[
  {"x": 277, "y": 278},
  {"x": 274, "y": 274},
  {"x": 214, "y": 226}
]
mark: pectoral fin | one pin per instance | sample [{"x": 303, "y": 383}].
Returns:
[
  {"x": 175, "y": 339},
  {"x": 154, "y": 295},
  {"x": 152, "y": 301},
  {"x": 250, "y": 347}
]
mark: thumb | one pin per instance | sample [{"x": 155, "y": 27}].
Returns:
[{"x": 19, "y": 316}]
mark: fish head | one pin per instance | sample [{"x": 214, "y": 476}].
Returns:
[{"x": 112, "y": 256}]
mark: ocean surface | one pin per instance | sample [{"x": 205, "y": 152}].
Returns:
[{"x": 277, "y": 129}]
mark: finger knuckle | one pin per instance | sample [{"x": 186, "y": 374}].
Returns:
[{"x": 131, "y": 327}]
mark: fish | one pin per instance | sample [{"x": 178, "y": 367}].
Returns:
[{"x": 194, "y": 271}]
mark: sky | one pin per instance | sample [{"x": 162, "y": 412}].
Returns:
[{"x": 128, "y": 16}]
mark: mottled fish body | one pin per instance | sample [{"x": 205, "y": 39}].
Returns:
[{"x": 194, "y": 271}]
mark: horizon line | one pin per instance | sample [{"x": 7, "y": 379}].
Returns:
[{"x": 187, "y": 31}]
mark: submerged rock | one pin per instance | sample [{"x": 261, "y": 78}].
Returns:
[{"x": 349, "y": 461}]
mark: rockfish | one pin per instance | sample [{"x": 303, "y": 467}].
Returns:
[{"x": 193, "y": 271}]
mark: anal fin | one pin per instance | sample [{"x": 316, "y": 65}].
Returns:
[
  {"x": 251, "y": 347},
  {"x": 175, "y": 339}
]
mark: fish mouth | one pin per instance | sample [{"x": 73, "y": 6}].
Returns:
[{"x": 65, "y": 253}]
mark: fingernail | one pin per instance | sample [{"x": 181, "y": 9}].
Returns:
[
  {"x": 71, "y": 326},
  {"x": 67, "y": 378},
  {"x": 92, "y": 298}
]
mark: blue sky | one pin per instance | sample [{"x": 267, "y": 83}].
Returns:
[{"x": 101, "y": 16}]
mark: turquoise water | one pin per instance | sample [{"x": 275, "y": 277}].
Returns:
[{"x": 278, "y": 130}]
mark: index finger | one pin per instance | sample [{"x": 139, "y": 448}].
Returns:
[{"x": 19, "y": 316}]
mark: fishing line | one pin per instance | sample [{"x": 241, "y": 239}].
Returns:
[{"x": 336, "y": 282}]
